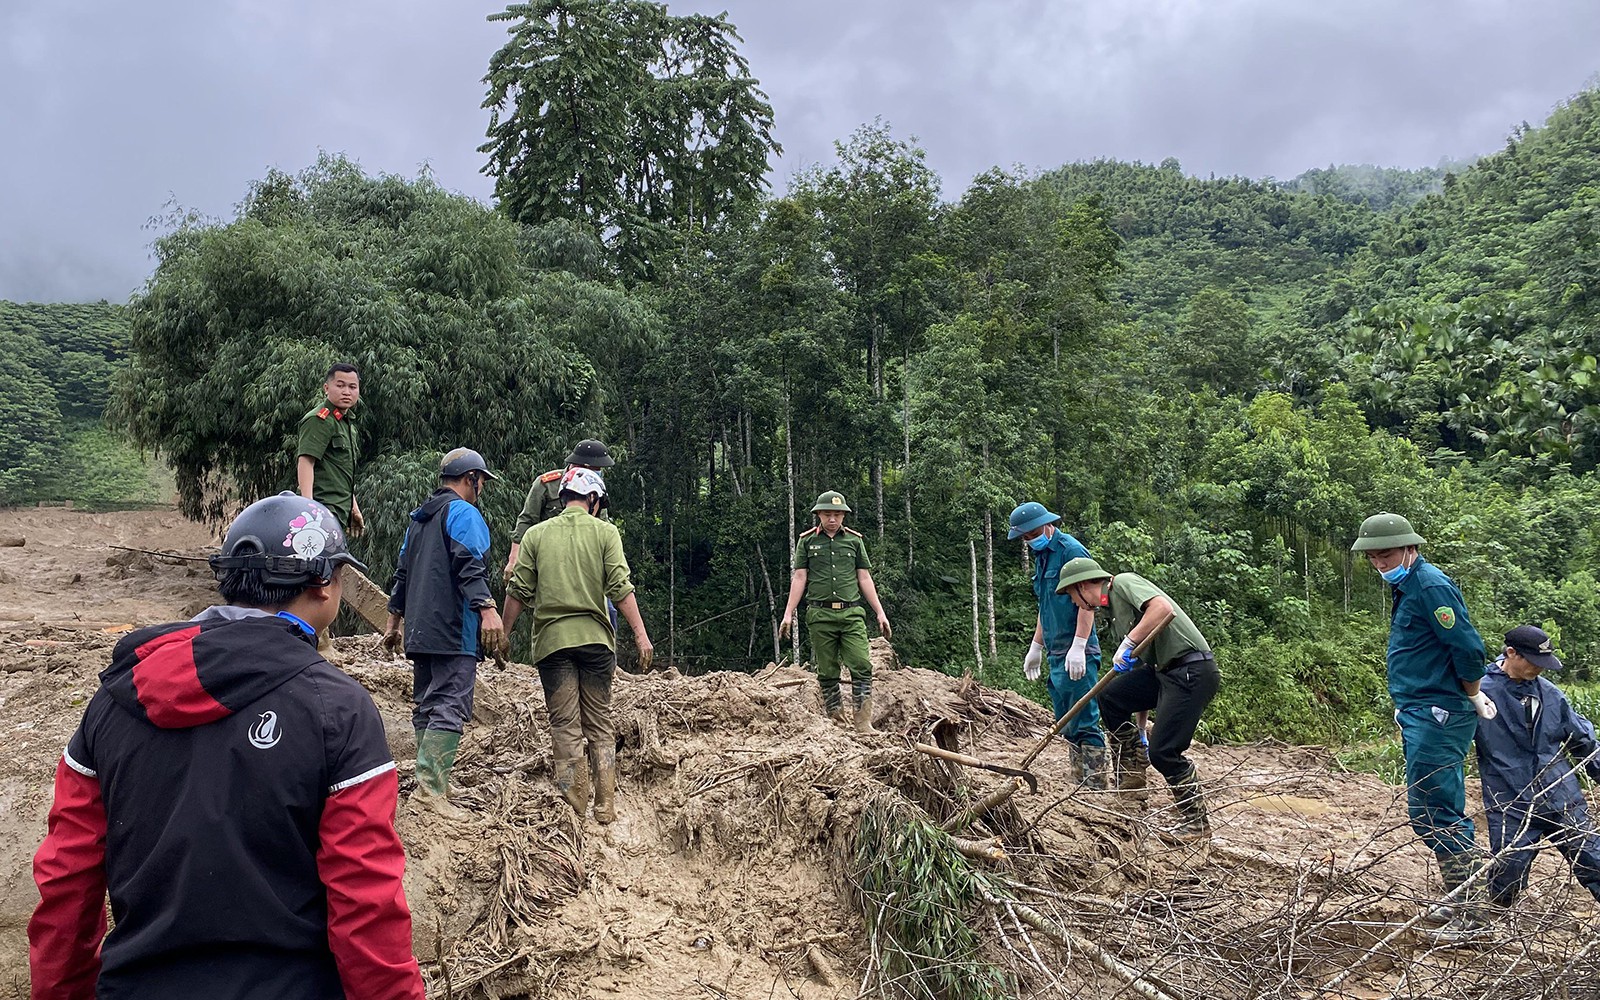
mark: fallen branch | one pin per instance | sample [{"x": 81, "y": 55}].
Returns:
[
  {"x": 993, "y": 800},
  {"x": 176, "y": 556}
]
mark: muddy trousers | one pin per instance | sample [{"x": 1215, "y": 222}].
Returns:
[
  {"x": 839, "y": 638},
  {"x": 1179, "y": 696},
  {"x": 1518, "y": 835},
  {"x": 441, "y": 687},
  {"x": 1436, "y": 787},
  {"x": 577, "y": 693}
]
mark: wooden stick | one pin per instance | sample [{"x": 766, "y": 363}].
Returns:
[
  {"x": 178, "y": 556},
  {"x": 1105, "y": 679},
  {"x": 993, "y": 800},
  {"x": 966, "y": 761}
]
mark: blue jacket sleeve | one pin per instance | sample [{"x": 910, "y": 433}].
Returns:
[
  {"x": 469, "y": 543},
  {"x": 1463, "y": 641},
  {"x": 1580, "y": 741}
]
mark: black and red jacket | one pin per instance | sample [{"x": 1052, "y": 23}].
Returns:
[{"x": 235, "y": 794}]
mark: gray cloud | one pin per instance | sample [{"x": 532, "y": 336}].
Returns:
[{"x": 107, "y": 117}]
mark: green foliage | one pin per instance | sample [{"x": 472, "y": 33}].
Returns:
[
  {"x": 461, "y": 340},
  {"x": 921, "y": 898},
  {"x": 56, "y": 364},
  {"x": 1378, "y": 188},
  {"x": 621, "y": 116}
]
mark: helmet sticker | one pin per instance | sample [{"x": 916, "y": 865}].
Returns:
[{"x": 307, "y": 536}]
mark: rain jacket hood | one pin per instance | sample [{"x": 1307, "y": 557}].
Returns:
[{"x": 186, "y": 674}]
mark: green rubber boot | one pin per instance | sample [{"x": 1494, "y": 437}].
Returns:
[{"x": 436, "y": 755}]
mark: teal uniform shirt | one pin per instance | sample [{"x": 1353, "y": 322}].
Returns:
[
  {"x": 1058, "y": 616},
  {"x": 1433, "y": 648}
]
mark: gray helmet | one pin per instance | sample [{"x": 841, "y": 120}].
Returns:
[
  {"x": 458, "y": 462},
  {"x": 591, "y": 454},
  {"x": 831, "y": 500},
  {"x": 1385, "y": 531},
  {"x": 289, "y": 538}
]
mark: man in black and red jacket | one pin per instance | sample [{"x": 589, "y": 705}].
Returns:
[{"x": 235, "y": 794}]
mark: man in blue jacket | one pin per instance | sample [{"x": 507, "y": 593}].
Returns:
[
  {"x": 1525, "y": 758},
  {"x": 1435, "y": 663},
  {"x": 1063, "y": 635},
  {"x": 442, "y": 612}
]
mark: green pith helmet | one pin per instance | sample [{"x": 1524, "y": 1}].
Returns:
[
  {"x": 1385, "y": 531},
  {"x": 591, "y": 454},
  {"x": 831, "y": 501},
  {"x": 1077, "y": 571}
]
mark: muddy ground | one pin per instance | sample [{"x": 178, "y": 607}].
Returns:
[{"x": 731, "y": 870}]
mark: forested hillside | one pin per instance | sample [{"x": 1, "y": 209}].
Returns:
[
  {"x": 1212, "y": 380},
  {"x": 58, "y": 360}
]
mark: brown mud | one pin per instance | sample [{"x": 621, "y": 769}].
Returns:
[{"x": 729, "y": 870}]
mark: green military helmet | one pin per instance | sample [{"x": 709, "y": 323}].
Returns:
[
  {"x": 1385, "y": 531},
  {"x": 830, "y": 500},
  {"x": 591, "y": 454},
  {"x": 1077, "y": 571}
]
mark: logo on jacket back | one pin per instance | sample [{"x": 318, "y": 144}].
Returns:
[{"x": 265, "y": 734}]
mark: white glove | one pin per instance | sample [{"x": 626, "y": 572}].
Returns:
[
  {"x": 1033, "y": 661},
  {"x": 1077, "y": 661},
  {"x": 1483, "y": 706}
]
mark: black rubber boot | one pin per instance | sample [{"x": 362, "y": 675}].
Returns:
[{"x": 1191, "y": 801}]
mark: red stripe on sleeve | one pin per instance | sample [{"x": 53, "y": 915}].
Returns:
[
  {"x": 167, "y": 682},
  {"x": 361, "y": 863},
  {"x": 65, "y": 932}
]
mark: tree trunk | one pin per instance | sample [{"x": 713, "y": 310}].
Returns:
[
  {"x": 977, "y": 638},
  {"x": 988, "y": 576},
  {"x": 875, "y": 371},
  {"x": 905, "y": 468},
  {"x": 788, "y": 470},
  {"x": 672, "y": 593}
]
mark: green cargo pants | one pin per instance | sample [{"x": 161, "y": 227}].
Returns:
[{"x": 839, "y": 637}]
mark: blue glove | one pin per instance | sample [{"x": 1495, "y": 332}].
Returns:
[{"x": 1124, "y": 661}]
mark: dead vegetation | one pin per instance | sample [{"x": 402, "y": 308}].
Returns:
[{"x": 761, "y": 851}]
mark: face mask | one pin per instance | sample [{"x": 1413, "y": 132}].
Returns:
[
  {"x": 1397, "y": 574},
  {"x": 1038, "y": 544}
]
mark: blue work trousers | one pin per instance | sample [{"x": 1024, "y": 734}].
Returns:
[
  {"x": 1436, "y": 742},
  {"x": 1084, "y": 730},
  {"x": 442, "y": 686}
]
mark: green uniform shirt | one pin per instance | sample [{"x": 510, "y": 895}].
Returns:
[
  {"x": 328, "y": 437},
  {"x": 566, "y": 570},
  {"x": 831, "y": 564},
  {"x": 1130, "y": 592},
  {"x": 544, "y": 502}
]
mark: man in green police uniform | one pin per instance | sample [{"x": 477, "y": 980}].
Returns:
[
  {"x": 544, "y": 496},
  {"x": 833, "y": 573},
  {"x": 1435, "y": 663},
  {"x": 326, "y": 453},
  {"x": 1177, "y": 676}
]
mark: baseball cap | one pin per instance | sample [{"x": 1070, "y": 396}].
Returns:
[{"x": 1534, "y": 645}]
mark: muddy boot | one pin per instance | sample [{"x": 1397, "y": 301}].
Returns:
[
  {"x": 572, "y": 780},
  {"x": 603, "y": 766},
  {"x": 1464, "y": 920},
  {"x": 436, "y": 755},
  {"x": 863, "y": 697},
  {"x": 1191, "y": 801},
  {"x": 1093, "y": 759},
  {"x": 1133, "y": 761},
  {"x": 832, "y": 705}
]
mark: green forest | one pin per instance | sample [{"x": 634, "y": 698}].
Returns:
[{"x": 1212, "y": 380}]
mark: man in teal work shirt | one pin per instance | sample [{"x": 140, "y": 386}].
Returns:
[
  {"x": 1435, "y": 662},
  {"x": 1063, "y": 635}
]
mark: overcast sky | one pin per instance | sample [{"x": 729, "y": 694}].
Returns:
[{"x": 108, "y": 112}]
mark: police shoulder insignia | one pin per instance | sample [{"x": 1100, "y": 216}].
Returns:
[
  {"x": 322, "y": 414},
  {"x": 851, "y": 530},
  {"x": 551, "y": 476},
  {"x": 808, "y": 533},
  {"x": 1446, "y": 616}
]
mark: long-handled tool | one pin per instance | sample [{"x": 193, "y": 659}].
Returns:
[
  {"x": 966, "y": 761},
  {"x": 1105, "y": 678}
]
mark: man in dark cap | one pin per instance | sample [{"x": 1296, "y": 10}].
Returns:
[
  {"x": 544, "y": 496},
  {"x": 1529, "y": 754}
]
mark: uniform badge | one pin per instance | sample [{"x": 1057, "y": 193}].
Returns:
[{"x": 1446, "y": 616}]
